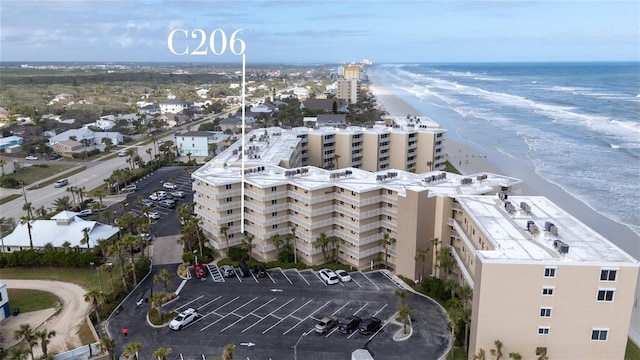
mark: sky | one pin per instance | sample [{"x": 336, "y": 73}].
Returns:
[{"x": 311, "y": 32}]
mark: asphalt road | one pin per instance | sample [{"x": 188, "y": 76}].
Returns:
[{"x": 265, "y": 318}]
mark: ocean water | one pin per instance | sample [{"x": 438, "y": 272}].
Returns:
[{"x": 577, "y": 124}]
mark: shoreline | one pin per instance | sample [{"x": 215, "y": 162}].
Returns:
[{"x": 469, "y": 160}]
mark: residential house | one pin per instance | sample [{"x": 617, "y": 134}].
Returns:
[
  {"x": 175, "y": 106},
  {"x": 198, "y": 143},
  {"x": 331, "y": 120},
  {"x": 235, "y": 124},
  {"x": 4, "y": 114},
  {"x": 68, "y": 148},
  {"x": 95, "y": 138},
  {"x": 173, "y": 120},
  {"x": 149, "y": 109},
  {"x": 10, "y": 141},
  {"x": 66, "y": 226}
]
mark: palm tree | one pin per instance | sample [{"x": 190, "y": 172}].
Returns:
[
  {"x": 163, "y": 277},
  {"x": 227, "y": 353},
  {"x": 224, "y": 230},
  {"x": 421, "y": 255},
  {"x": 543, "y": 355},
  {"x": 162, "y": 353},
  {"x": 292, "y": 239},
  {"x": 335, "y": 243},
  {"x": 27, "y": 220},
  {"x": 248, "y": 244},
  {"x": 130, "y": 241},
  {"x": 445, "y": 260},
  {"x": 18, "y": 353},
  {"x": 25, "y": 332},
  {"x": 322, "y": 242},
  {"x": 435, "y": 242},
  {"x": 515, "y": 356},
  {"x": 132, "y": 348},
  {"x": 131, "y": 153},
  {"x": 118, "y": 249},
  {"x": 107, "y": 344},
  {"x": 72, "y": 191},
  {"x": 3, "y": 162},
  {"x": 106, "y": 215},
  {"x": 94, "y": 296},
  {"x": 62, "y": 203},
  {"x": 100, "y": 193},
  {"x": 41, "y": 212},
  {"x": 85, "y": 237},
  {"x": 481, "y": 355},
  {"x": 386, "y": 243},
  {"x": 148, "y": 151},
  {"x": 404, "y": 313},
  {"x": 44, "y": 336},
  {"x": 277, "y": 242},
  {"x": 402, "y": 295}
]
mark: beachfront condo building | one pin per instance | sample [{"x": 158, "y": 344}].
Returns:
[
  {"x": 543, "y": 282},
  {"x": 352, "y": 71},
  {"x": 348, "y": 90}
]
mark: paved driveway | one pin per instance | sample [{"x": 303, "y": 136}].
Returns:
[{"x": 265, "y": 317}]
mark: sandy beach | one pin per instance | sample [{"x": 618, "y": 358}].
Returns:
[{"x": 470, "y": 160}]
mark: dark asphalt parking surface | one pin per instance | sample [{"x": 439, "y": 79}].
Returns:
[{"x": 265, "y": 318}]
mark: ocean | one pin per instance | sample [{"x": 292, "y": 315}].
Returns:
[{"x": 576, "y": 124}]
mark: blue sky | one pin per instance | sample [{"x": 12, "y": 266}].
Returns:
[{"x": 323, "y": 31}]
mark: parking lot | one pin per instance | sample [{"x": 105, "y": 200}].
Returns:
[
  {"x": 168, "y": 223},
  {"x": 265, "y": 318}
]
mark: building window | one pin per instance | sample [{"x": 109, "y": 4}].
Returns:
[
  {"x": 353, "y": 193},
  {"x": 547, "y": 291},
  {"x": 389, "y": 218},
  {"x": 545, "y": 312},
  {"x": 390, "y": 192},
  {"x": 274, "y": 188},
  {"x": 228, "y": 186},
  {"x": 599, "y": 334},
  {"x": 229, "y": 199},
  {"x": 543, "y": 331},
  {"x": 230, "y": 224},
  {"x": 230, "y": 236},
  {"x": 608, "y": 275},
  {"x": 275, "y": 213},
  {"x": 605, "y": 295},
  {"x": 230, "y": 211},
  {"x": 389, "y": 205},
  {"x": 274, "y": 226},
  {"x": 550, "y": 272}
]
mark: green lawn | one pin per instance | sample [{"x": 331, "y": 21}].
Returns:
[
  {"x": 87, "y": 278},
  {"x": 11, "y": 197},
  {"x": 633, "y": 352},
  {"x": 31, "y": 300},
  {"x": 79, "y": 169},
  {"x": 34, "y": 173}
]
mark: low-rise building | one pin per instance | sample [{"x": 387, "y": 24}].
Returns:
[
  {"x": 199, "y": 143},
  {"x": 175, "y": 106},
  {"x": 9, "y": 141}
]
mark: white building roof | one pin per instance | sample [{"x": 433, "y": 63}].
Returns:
[
  {"x": 508, "y": 233},
  {"x": 65, "y": 226}
]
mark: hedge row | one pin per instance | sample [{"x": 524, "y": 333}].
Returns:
[{"x": 52, "y": 257}]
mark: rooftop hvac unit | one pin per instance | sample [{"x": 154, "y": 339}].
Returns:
[
  {"x": 379, "y": 177},
  {"x": 503, "y": 196},
  {"x": 553, "y": 230},
  {"x": 348, "y": 172},
  {"x": 564, "y": 248},
  {"x": 481, "y": 177},
  {"x": 524, "y": 206},
  {"x": 466, "y": 181}
]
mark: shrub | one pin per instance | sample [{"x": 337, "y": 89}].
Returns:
[
  {"x": 435, "y": 288},
  {"x": 9, "y": 182},
  {"x": 157, "y": 317},
  {"x": 237, "y": 253}
]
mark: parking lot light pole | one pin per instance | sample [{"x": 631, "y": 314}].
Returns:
[{"x": 295, "y": 347}]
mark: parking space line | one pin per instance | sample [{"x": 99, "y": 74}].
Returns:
[
  {"x": 285, "y": 275},
  {"x": 243, "y": 305},
  {"x": 341, "y": 307},
  {"x": 362, "y": 308},
  {"x": 269, "y": 314},
  {"x": 215, "y": 313},
  {"x": 201, "y": 306},
  {"x": 237, "y": 321},
  {"x": 184, "y": 305},
  {"x": 307, "y": 317},
  {"x": 269, "y": 275},
  {"x": 236, "y": 274},
  {"x": 366, "y": 277},
  {"x": 376, "y": 333},
  {"x": 382, "y": 308},
  {"x": 305, "y": 280},
  {"x": 293, "y": 312},
  {"x": 295, "y": 317},
  {"x": 357, "y": 283}
]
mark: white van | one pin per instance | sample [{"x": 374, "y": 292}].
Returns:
[{"x": 61, "y": 183}]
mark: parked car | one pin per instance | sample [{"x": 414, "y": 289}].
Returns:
[
  {"x": 343, "y": 275},
  {"x": 147, "y": 203},
  {"x": 243, "y": 268},
  {"x": 183, "y": 319},
  {"x": 54, "y": 156},
  {"x": 328, "y": 276},
  {"x": 349, "y": 324},
  {"x": 158, "y": 195},
  {"x": 226, "y": 270},
  {"x": 326, "y": 324},
  {"x": 60, "y": 183},
  {"x": 153, "y": 215},
  {"x": 122, "y": 154},
  {"x": 177, "y": 194},
  {"x": 85, "y": 212},
  {"x": 259, "y": 271},
  {"x": 369, "y": 325},
  {"x": 199, "y": 270},
  {"x": 167, "y": 203},
  {"x": 31, "y": 157},
  {"x": 169, "y": 185},
  {"x": 129, "y": 188}
]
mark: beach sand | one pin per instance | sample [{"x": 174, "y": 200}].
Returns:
[{"x": 469, "y": 160}]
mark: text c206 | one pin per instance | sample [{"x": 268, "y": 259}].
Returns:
[{"x": 217, "y": 43}]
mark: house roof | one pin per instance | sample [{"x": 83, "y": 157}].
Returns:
[
  {"x": 63, "y": 227},
  {"x": 70, "y": 143},
  {"x": 331, "y": 119}
]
